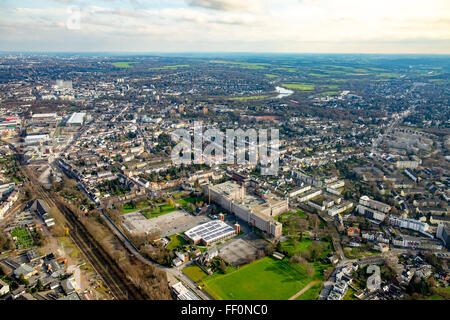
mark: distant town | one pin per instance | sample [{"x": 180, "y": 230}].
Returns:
[{"x": 93, "y": 207}]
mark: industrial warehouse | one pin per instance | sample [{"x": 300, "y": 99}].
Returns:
[{"x": 211, "y": 232}]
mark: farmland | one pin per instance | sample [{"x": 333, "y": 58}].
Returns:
[{"x": 123, "y": 64}]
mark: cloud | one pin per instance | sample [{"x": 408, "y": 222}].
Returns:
[
  {"x": 229, "y": 5},
  {"x": 252, "y": 25}
]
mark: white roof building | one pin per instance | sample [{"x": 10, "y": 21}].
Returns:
[
  {"x": 76, "y": 118},
  {"x": 210, "y": 232}
]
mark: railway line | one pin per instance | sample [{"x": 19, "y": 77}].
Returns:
[{"x": 113, "y": 277}]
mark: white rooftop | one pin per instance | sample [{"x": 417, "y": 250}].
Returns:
[{"x": 77, "y": 117}]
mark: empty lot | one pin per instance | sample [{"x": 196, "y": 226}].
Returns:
[{"x": 168, "y": 224}]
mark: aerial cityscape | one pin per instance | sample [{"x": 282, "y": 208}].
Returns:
[{"x": 223, "y": 175}]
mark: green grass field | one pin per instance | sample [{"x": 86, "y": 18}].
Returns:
[
  {"x": 299, "y": 86},
  {"x": 268, "y": 75},
  {"x": 195, "y": 273},
  {"x": 123, "y": 64},
  {"x": 312, "y": 293},
  {"x": 161, "y": 210},
  {"x": 176, "y": 241},
  {"x": 24, "y": 239},
  {"x": 264, "y": 279}
]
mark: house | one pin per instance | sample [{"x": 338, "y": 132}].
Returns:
[
  {"x": 41, "y": 209},
  {"x": 424, "y": 271},
  {"x": 26, "y": 270},
  {"x": 4, "y": 288},
  {"x": 382, "y": 247},
  {"x": 353, "y": 232},
  {"x": 67, "y": 286}
]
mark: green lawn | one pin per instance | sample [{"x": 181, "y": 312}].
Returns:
[
  {"x": 264, "y": 279},
  {"x": 195, "y": 273},
  {"x": 301, "y": 214},
  {"x": 129, "y": 207},
  {"x": 435, "y": 297},
  {"x": 299, "y": 86},
  {"x": 176, "y": 241},
  {"x": 288, "y": 246},
  {"x": 312, "y": 293},
  {"x": 268, "y": 75},
  {"x": 123, "y": 64},
  {"x": 349, "y": 295},
  {"x": 158, "y": 211},
  {"x": 187, "y": 200},
  {"x": 24, "y": 239}
]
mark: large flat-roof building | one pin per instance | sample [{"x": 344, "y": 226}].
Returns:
[
  {"x": 210, "y": 232},
  {"x": 36, "y": 138},
  {"x": 256, "y": 211},
  {"x": 76, "y": 119}
]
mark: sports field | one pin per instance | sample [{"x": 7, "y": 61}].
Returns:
[{"x": 264, "y": 279}]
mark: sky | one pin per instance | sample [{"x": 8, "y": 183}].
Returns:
[{"x": 291, "y": 26}]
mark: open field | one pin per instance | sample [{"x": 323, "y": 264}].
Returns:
[
  {"x": 167, "y": 224},
  {"x": 123, "y": 64},
  {"x": 264, "y": 279},
  {"x": 195, "y": 273},
  {"x": 299, "y": 86}
]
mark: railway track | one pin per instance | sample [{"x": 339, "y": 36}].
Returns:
[{"x": 113, "y": 277}]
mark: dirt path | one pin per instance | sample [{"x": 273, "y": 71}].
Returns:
[{"x": 309, "y": 285}]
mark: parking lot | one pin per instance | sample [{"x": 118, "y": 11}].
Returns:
[
  {"x": 168, "y": 224},
  {"x": 238, "y": 251}
]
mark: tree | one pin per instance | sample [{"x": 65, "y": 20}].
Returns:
[
  {"x": 270, "y": 249},
  {"x": 327, "y": 273},
  {"x": 39, "y": 285},
  {"x": 309, "y": 269},
  {"x": 6, "y": 243},
  {"x": 316, "y": 250},
  {"x": 314, "y": 222},
  {"x": 301, "y": 225},
  {"x": 222, "y": 266},
  {"x": 297, "y": 258},
  {"x": 23, "y": 280}
]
